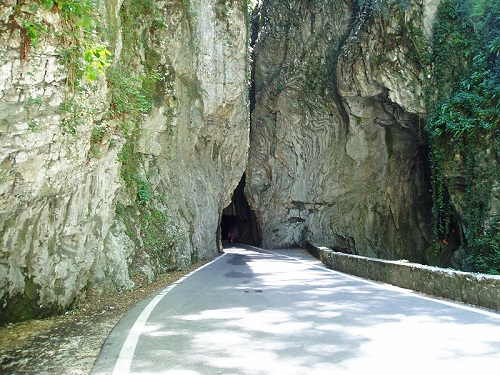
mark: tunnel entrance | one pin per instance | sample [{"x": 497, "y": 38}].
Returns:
[{"x": 238, "y": 222}]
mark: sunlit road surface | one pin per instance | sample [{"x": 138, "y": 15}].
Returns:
[{"x": 262, "y": 312}]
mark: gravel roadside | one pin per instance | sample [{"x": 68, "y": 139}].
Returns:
[{"x": 69, "y": 344}]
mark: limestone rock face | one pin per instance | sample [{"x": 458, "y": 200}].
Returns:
[
  {"x": 336, "y": 151},
  {"x": 69, "y": 218}
]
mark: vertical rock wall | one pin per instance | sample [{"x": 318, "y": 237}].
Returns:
[
  {"x": 93, "y": 191},
  {"x": 337, "y": 151}
]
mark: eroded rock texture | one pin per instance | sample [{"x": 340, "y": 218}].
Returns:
[
  {"x": 91, "y": 194},
  {"x": 337, "y": 150}
]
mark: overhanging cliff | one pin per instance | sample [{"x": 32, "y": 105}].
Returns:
[{"x": 337, "y": 152}]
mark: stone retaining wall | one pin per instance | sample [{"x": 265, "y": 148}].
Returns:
[{"x": 472, "y": 288}]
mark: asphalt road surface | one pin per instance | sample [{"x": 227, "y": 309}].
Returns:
[{"x": 261, "y": 312}]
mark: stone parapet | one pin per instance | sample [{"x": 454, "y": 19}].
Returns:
[{"x": 471, "y": 288}]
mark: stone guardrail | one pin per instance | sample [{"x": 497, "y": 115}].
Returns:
[{"x": 472, "y": 288}]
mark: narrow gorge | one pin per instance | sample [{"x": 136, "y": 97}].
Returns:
[{"x": 136, "y": 136}]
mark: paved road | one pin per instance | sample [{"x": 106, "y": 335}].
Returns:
[{"x": 257, "y": 312}]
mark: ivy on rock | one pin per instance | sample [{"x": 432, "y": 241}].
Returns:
[{"x": 463, "y": 129}]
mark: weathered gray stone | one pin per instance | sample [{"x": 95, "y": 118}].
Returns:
[
  {"x": 336, "y": 154},
  {"x": 59, "y": 228}
]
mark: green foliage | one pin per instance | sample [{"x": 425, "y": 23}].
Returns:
[
  {"x": 485, "y": 252},
  {"x": 96, "y": 60},
  {"x": 143, "y": 192},
  {"x": 34, "y": 30},
  {"x": 85, "y": 63},
  {"x": 131, "y": 171},
  {"x": 33, "y": 124},
  {"x": 463, "y": 129},
  {"x": 34, "y": 101},
  {"x": 152, "y": 231},
  {"x": 78, "y": 11},
  {"x": 131, "y": 95},
  {"x": 132, "y": 175},
  {"x": 133, "y": 88},
  {"x": 85, "y": 58},
  {"x": 73, "y": 116},
  {"x": 160, "y": 235},
  {"x": 472, "y": 110},
  {"x": 98, "y": 134},
  {"x": 453, "y": 41}
]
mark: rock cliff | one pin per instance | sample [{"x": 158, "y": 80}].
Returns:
[
  {"x": 127, "y": 125},
  {"x": 107, "y": 176},
  {"x": 337, "y": 148}
]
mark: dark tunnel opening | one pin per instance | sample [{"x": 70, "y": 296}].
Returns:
[{"x": 238, "y": 222}]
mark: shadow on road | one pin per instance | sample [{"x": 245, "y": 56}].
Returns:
[{"x": 264, "y": 313}]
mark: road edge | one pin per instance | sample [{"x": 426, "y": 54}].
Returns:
[{"x": 123, "y": 361}]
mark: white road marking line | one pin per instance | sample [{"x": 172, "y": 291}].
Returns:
[
  {"x": 387, "y": 286},
  {"x": 124, "y": 360}
]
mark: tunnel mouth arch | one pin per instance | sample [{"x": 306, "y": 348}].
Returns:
[{"x": 238, "y": 223}]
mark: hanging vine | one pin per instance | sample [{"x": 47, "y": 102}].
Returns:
[{"x": 463, "y": 130}]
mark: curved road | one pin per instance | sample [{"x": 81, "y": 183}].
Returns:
[{"x": 259, "y": 312}]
